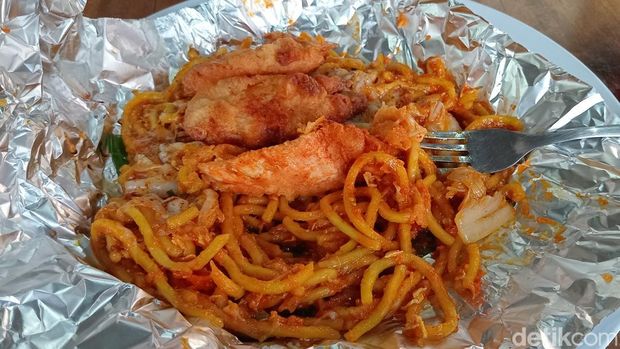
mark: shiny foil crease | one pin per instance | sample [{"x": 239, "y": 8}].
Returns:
[{"x": 64, "y": 78}]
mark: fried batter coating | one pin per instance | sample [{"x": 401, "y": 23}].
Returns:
[
  {"x": 312, "y": 164},
  {"x": 264, "y": 110},
  {"x": 283, "y": 55}
]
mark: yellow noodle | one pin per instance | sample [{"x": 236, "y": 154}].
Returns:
[
  {"x": 381, "y": 309},
  {"x": 270, "y": 210},
  {"x": 441, "y": 260},
  {"x": 280, "y": 330},
  {"x": 437, "y": 230},
  {"x": 244, "y": 209},
  {"x": 448, "y": 86},
  {"x": 349, "y": 189},
  {"x": 225, "y": 284},
  {"x": 182, "y": 218},
  {"x": 413, "y": 168},
  {"x": 317, "y": 293},
  {"x": 344, "y": 227},
  {"x": 426, "y": 164},
  {"x": 141, "y": 258},
  {"x": 373, "y": 206},
  {"x": 415, "y": 326},
  {"x": 453, "y": 255},
  {"x": 298, "y": 231},
  {"x": 162, "y": 258},
  {"x": 404, "y": 236},
  {"x": 254, "y": 270},
  {"x": 347, "y": 247},
  {"x": 370, "y": 277},
  {"x": 356, "y": 312},
  {"x": 429, "y": 180},
  {"x": 406, "y": 287},
  {"x": 261, "y": 286},
  {"x": 227, "y": 209},
  {"x": 263, "y": 329},
  {"x": 340, "y": 260},
  {"x": 450, "y": 317},
  {"x": 299, "y": 215},
  {"x": 248, "y": 243},
  {"x": 253, "y": 221},
  {"x": 358, "y": 263},
  {"x": 390, "y": 232},
  {"x": 171, "y": 249},
  {"x": 336, "y": 324},
  {"x": 496, "y": 121},
  {"x": 320, "y": 276},
  {"x": 473, "y": 266},
  {"x": 394, "y": 216}
]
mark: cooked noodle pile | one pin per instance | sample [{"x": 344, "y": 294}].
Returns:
[{"x": 263, "y": 254}]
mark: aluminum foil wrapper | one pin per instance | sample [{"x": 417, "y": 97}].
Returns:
[{"x": 64, "y": 78}]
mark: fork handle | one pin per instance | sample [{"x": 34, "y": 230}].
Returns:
[{"x": 572, "y": 134}]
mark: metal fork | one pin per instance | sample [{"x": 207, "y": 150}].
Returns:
[{"x": 493, "y": 150}]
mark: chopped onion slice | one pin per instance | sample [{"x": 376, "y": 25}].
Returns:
[
  {"x": 479, "y": 218},
  {"x": 210, "y": 211}
]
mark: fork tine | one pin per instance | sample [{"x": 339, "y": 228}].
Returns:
[
  {"x": 445, "y": 135},
  {"x": 439, "y": 146},
  {"x": 451, "y": 158},
  {"x": 443, "y": 146}
]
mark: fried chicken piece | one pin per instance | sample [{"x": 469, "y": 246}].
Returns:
[
  {"x": 284, "y": 54},
  {"x": 264, "y": 110},
  {"x": 312, "y": 164}
]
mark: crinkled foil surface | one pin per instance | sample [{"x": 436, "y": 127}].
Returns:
[{"x": 64, "y": 77}]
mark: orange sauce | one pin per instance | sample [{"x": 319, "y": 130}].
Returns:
[
  {"x": 523, "y": 166},
  {"x": 581, "y": 195},
  {"x": 525, "y": 209},
  {"x": 560, "y": 228},
  {"x": 602, "y": 201},
  {"x": 546, "y": 220},
  {"x": 402, "y": 20},
  {"x": 514, "y": 191},
  {"x": 245, "y": 43},
  {"x": 607, "y": 277},
  {"x": 534, "y": 174},
  {"x": 6, "y": 29}
]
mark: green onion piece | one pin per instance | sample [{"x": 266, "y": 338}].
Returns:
[{"x": 115, "y": 146}]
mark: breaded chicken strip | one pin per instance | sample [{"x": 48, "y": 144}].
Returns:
[
  {"x": 284, "y": 54},
  {"x": 264, "y": 110},
  {"x": 312, "y": 164}
]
